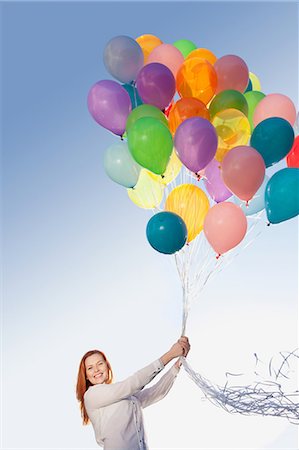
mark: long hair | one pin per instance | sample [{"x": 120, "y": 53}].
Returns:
[{"x": 83, "y": 384}]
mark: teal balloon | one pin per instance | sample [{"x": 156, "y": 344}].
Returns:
[
  {"x": 120, "y": 166},
  {"x": 273, "y": 138},
  {"x": 282, "y": 195},
  {"x": 134, "y": 96},
  {"x": 249, "y": 86},
  {"x": 257, "y": 203},
  {"x": 166, "y": 232}
]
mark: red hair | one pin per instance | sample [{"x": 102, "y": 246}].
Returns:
[{"x": 83, "y": 384}]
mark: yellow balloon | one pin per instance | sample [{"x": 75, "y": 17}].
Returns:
[
  {"x": 256, "y": 85},
  {"x": 148, "y": 192},
  {"x": 147, "y": 43},
  {"x": 172, "y": 170},
  {"x": 232, "y": 128},
  {"x": 203, "y": 53},
  {"x": 191, "y": 204}
]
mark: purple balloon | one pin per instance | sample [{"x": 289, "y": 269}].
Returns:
[
  {"x": 156, "y": 85},
  {"x": 196, "y": 143},
  {"x": 214, "y": 183},
  {"x": 109, "y": 104}
]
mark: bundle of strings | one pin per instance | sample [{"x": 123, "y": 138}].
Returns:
[{"x": 266, "y": 396}]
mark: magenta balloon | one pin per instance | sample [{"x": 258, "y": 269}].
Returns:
[
  {"x": 196, "y": 143},
  {"x": 214, "y": 183},
  {"x": 109, "y": 104},
  {"x": 156, "y": 85}
]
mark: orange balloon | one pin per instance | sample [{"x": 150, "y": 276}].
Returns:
[
  {"x": 191, "y": 204},
  {"x": 197, "y": 78},
  {"x": 184, "y": 109},
  {"x": 147, "y": 43},
  {"x": 168, "y": 55},
  {"x": 203, "y": 53}
]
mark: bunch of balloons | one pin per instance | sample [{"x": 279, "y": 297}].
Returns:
[{"x": 178, "y": 106}]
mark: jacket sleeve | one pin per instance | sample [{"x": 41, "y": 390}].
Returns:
[
  {"x": 100, "y": 395},
  {"x": 155, "y": 393}
]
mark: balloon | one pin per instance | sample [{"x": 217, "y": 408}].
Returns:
[
  {"x": 249, "y": 86},
  {"x": 243, "y": 171},
  {"x": 275, "y": 105},
  {"x": 184, "y": 109},
  {"x": 293, "y": 155},
  {"x": 196, "y": 78},
  {"x": 225, "y": 226},
  {"x": 253, "y": 98},
  {"x": 120, "y": 166},
  {"x": 203, "y": 53},
  {"x": 282, "y": 195},
  {"x": 229, "y": 99},
  {"x": 168, "y": 55},
  {"x": 156, "y": 85},
  {"x": 166, "y": 232},
  {"x": 195, "y": 142},
  {"x": 150, "y": 143},
  {"x": 273, "y": 139},
  {"x": 123, "y": 58},
  {"x": 232, "y": 73},
  {"x": 184, "y": 46},
  {"x": 148, "y": 192},
  {"x": 172, "y": 170},
  {"x": 232, "y": 128},
  {"x": 256, "y": 85},
  {"x": 145, "y": 111},
  {"x": 147, "y": 43},
  {"x": 132, "y": 91},
  {"x": 214, "y": 183},
  {"x": 257, "y": 203},
  {"x": 190, "y": 203},
  {"x": 109, "y": 104}
]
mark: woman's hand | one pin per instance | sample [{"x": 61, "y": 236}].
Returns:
[{"x": 180, "y": 348}]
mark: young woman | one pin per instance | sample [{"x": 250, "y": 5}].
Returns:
[{"x": 115, "y": 410}]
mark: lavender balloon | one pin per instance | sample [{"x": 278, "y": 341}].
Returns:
[
  {"x": 109, "y": 104},
  {"x": 156, "y": 85},
  {"x": 214, "y": 183},
  {"x": 123, "y": 58},
  {"x": 196, "y": 143}
]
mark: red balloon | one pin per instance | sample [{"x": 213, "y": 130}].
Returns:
[{"x": 293, "y": 155}]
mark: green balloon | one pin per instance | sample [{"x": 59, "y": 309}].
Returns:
[
  {"x": 145, "y": 111},
  {"x": 253, "y": 98},
  {"x": 185, "y": 46},
  {"x": 228, "y": 99},
  {"x": 150, "y": 143}
]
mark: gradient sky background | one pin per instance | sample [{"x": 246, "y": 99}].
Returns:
[{"x": 78, "y": 271}]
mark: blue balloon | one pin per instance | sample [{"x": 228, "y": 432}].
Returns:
[
  {"x": 257, "y": 203},
  {"x": 134, "y": 96},
  {"x": 123, "y": 58},
  {"x": 249, "y": 86},
  {"x": 273, "y": 138},
  {"x": 282, "y": 195},
  {"x": 166, "y": 232}
]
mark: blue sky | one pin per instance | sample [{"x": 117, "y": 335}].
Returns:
[{"x": 78, "y": 271}]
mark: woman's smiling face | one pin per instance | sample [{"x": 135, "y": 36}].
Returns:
[{"x": 96, "y": 369}]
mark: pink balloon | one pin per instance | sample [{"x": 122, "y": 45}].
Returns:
[
  {"x": 232, "y": 73},
  {"x": 214, "y": 183},
  {"x": 275, "y": 105},
  {"x": 225, "y": 226},
  {"x": 168, "y": 55},
  {"x": 243, "y": 171}
]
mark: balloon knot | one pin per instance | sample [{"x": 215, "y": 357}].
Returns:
[
  {"x": 198, "y": 176},
  {"x": 268, "y": 224},
  {"x": 247, "y": 204},
  {"x": 162, "y": 176},
  {"x": 218, "y": 256},
  {"x": 122, "y": 138}
]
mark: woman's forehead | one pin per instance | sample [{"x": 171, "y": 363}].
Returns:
[{"x": 96, "y": 357}]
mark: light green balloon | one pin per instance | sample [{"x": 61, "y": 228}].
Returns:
[
  {"x": 226, "y": 100},
  {"x": 253, "y": 98},
  {"x": 185, "y": 46},
  {"x": 145, "y": 111},
  {"x": 120, "y": 166},
  {"x": 150, "y": 143}
]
